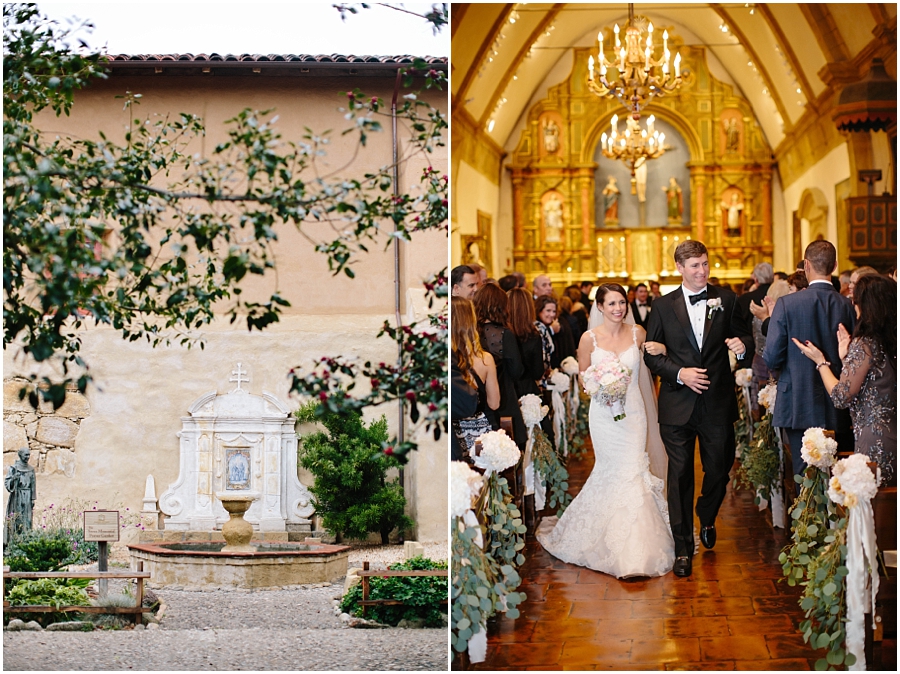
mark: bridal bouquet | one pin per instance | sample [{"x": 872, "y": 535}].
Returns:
[
  {"x": 498, "y": 452},
  {"x": 817, "y": 449},
  {"x": 607, "y": 382}
]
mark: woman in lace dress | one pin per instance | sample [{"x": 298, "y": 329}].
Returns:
[
  {"x": 868, "y": 383},
  {"x": 619, "y": 522}
]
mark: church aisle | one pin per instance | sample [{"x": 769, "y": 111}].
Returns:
[{"x": 732, "y": 613}]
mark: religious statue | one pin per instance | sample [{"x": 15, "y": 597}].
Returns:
[
  {"x": 551, "y": 136},
  {"x": 553, "y": 219},
  {"x": 674, "y": 200},
  {"x": 611, "y": 201},
  {"x": 640, "y": 177},
  {"x": 22, "y": 487},
  {"x": 732, "y": 215},
  {"x": 732, "y": 135}
]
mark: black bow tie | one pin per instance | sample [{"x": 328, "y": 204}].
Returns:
[
  {"x": 642, "y": 304},
  {"x": 697, "y": 298}
]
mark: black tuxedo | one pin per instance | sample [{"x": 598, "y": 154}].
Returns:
[
  {"x": 685, "y": 416},
  {"x": 637, "y": 314}
]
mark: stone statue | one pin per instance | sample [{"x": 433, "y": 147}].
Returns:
[
  {"x": 611, "y": 201},
  {"x": 674, "y": 200},
  {"x": 551, "y": 136},
  {"x": 732, "y": 135},
  {"x": 553, "y": 219},
  {"x": 22, "y": 487},
  {"x": 640, "y": 177},
  {"x": 732, "y": 215}
]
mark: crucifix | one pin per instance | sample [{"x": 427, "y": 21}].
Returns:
[{"x": 239, "y": 376}]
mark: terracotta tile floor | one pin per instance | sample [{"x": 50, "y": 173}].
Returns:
[{"x": 731, "y": 614}]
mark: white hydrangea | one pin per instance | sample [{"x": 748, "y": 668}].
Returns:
[
  {"x": 498, "y": 452},
  {"x": 767, "y": 397},
  {"x": 569, "y": 365},
  {"x": 743, "y": 377},
  {"x": 817, "y": 449},
  {"x": 559, "y": 381},
  {"x": 532, "y": 410},
  {"x": 852, "y": 481},
  {"x": 465, "y": 485}
]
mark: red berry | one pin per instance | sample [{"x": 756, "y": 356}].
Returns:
[
  {"x": 388, "y": 450},
  {"x": 323, "y": 396},
  {"x": 410, "y": 395}
]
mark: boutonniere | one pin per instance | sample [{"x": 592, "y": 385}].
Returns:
[{"x": 713, "y": 304}]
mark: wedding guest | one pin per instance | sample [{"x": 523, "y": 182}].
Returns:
[
  {"x": 813, "y": 314},
  {"x": 844, "y": 278},
  {"x": 541, "y": 285},
  {"x": 463, "y": 403},
  {"x": 508, "y": 282},
  {"x": 868, "y": 381},
  {"x": 520, "y": 279},
  {"x": 578, "y": 313},
  {"x": 562, "y": 346},
  {"x": 585, "y": 288},
  {"x": 478, "y": 370},
  {"x": 480, "y": 273},
  {"x": 655, "y": 294},
  {"x": 760, "y": 328},
  {"x": 797, "y": 281},
  {"x": 781, "y": 275},
  {"x": 642, "y": 305},
  {"x": 855, "y": 276},
  {"x": 493, "y": 330},
  {"x": 761, "y": 279},
  {"x": 463, "y": 282},
  {"x": 522, "y": 324}
]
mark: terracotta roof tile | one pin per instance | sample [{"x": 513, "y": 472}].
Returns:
[{"x": 264, "y": 58}]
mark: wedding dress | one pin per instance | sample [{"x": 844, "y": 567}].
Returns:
[{"x": 619, "y": 522}]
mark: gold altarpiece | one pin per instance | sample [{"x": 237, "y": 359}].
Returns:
[{"x": 557, "y": 230}]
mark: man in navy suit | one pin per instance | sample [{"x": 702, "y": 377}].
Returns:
[
  {"x": 699, "y": 325},
  {"x": 811, "y": 315}
]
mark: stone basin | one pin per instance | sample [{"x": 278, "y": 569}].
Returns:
[{"x": 204, "y": 565}]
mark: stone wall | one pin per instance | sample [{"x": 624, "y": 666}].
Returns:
[{"x": 50, "y": 435}]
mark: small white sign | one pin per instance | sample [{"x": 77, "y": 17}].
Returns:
[{"x": 101, "y": 525}]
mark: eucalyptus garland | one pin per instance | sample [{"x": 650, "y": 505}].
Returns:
[
  {"x": 812, "y": 513},
  {"x": 554, "y": 475},
  {"x": 743, "y": 427},
  {"x": 505, "y": 529},
  {"x": 760, "y": 464},
  {"x": 824, "y": 600},
  {"x": 580, "y": 430},
  {"x": 480, "y": 586}
]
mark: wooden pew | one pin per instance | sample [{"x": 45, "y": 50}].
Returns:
[{"x": 881, "y": 643}]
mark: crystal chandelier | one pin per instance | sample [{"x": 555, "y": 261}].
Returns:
[
  {"x": 640, "y": 77},
  {"x": 635, "y": 145}
]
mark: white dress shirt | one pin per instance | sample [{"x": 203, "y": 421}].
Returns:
[{"x": 697, "y": 314}]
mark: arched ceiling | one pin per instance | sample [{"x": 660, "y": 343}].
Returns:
[{"x": 780, "y": 57}]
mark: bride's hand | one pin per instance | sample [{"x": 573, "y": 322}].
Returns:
[{"x": 655, "y": 348}]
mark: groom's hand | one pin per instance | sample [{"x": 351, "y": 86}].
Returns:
[
  {"x": 694, "y": 378},
  {"x": 736, "y": 345}
]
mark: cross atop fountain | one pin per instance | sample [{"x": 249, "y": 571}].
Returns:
[{"x": 239, "y": 376}]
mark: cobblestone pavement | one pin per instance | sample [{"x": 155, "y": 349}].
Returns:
[{"x": 273, "y": 630}]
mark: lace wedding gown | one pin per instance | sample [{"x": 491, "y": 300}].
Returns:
[{"x": 619, "y": 522}]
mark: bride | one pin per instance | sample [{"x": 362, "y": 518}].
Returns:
[{"x": 619, "y": 522}]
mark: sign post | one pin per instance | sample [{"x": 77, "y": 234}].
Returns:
[{"x": 101, "y": 526}]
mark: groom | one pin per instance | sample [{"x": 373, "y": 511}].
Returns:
[{"x": 699, "y": 325}]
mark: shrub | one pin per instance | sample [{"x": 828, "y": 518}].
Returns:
[
  {"x": 351, "y": 492},
  {"x": 48, "y": 550},
  {"x": 47, "y": 592},
  {"x": 422, "y": 595}
]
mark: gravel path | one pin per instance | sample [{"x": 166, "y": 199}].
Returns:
[{"x": 272, "y": 630}]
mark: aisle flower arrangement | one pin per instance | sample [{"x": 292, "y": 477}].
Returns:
[
  {"x": 743, "y": 427},
  {"x": 842, "y": 580},
  {"x": 480, "y": 586},
  {"x": 760, "y": 467},
  {"x": 548, "y": 468},
  {"x": 559, "y": 384},
  {"x": 505, "y": 530}
]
